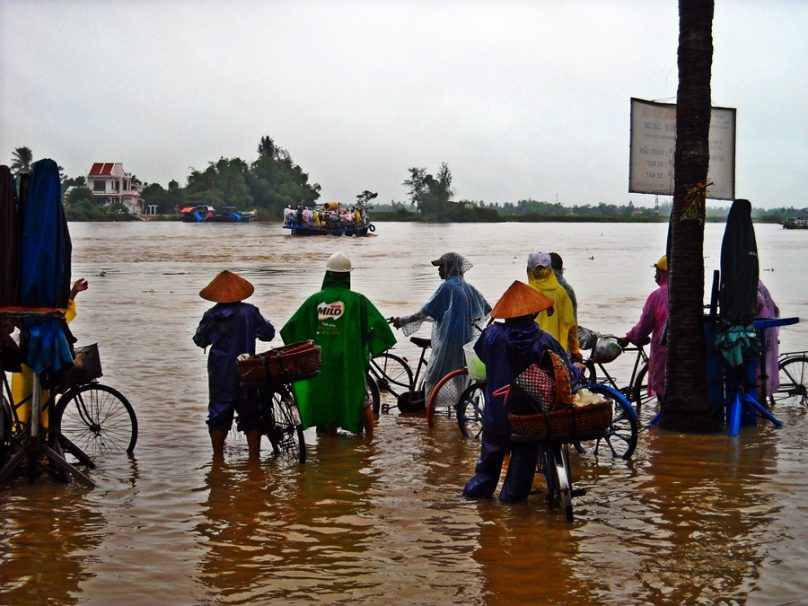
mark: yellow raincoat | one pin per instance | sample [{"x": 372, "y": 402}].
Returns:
[
  {"x": 22, "y": 383},
  {"x": 562, "y": 323}
]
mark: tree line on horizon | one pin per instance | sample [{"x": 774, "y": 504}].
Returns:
[{"x": 273, "y": 182}]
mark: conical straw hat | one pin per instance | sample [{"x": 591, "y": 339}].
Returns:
[
  {"x": 227, "y": 287},
  {"x": 520, "y": 300}
]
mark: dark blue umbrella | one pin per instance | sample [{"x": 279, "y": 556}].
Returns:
[{"x": 45, "y": 269}]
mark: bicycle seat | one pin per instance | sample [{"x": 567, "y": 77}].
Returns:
[{"x": 421, "y": 342}]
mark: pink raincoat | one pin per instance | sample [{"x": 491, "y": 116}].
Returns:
[
  {"x": 652, "y": 322},
  {"x": 767, "y": 308}
]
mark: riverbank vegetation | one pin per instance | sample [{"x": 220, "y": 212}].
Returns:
[{"x": 273, "y": 181}]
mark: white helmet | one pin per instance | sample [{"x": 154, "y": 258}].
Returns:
[{"x": 338, "y": 262}]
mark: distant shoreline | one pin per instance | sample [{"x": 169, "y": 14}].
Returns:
[{"x": 413, "y": 218}]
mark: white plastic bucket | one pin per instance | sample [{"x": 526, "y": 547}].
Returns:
[{"x": 474, "y": 364}]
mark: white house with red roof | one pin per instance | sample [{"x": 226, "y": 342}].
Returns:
[{"x": 109, "y": 183}]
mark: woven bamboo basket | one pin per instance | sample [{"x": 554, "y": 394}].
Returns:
[
  {"x": 576, "y": 423},
  {"x": 287, "y": 364}
]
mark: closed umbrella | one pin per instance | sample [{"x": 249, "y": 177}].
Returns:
[
  {"x": 9, "y": 240},
  {"x": 45, "y": 269}
]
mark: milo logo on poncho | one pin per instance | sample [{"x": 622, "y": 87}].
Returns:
[{"x": 330, "y": 311}]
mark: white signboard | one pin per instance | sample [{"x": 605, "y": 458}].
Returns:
[{"x": 653, "y": 140}]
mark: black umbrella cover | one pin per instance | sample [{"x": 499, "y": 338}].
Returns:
[
  {"x": 739, "y": 266},
  {"x": 9, "y": 240}
]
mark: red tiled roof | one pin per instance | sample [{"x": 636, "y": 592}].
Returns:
[{"x": 102, "y": 168}]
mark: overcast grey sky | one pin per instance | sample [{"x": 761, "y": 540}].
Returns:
[{"x": 521, "y": 99}]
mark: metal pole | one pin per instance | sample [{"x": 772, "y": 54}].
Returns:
[{"x": 36, "y": 406}]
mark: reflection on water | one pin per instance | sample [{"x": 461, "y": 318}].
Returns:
[{"x": 691, "y": 519}]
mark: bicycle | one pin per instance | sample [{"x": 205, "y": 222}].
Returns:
[
  {"x": 636, "y": 388},
  {"x": 554, "y": 449},
  {"x": 87, "y": 420},
  {"x": 793, "y": 388},
  {"x": 392, "y": 374},
  {"x": 280, "y": 421},
  {"x": 468, "y": 402}
]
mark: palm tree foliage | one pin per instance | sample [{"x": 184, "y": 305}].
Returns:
[{"x": 21, "y": 160}]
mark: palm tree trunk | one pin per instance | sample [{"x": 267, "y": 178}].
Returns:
[{"x": 686, "y": 407}]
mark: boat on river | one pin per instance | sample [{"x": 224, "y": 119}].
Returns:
[
  {"x": 229, "y": 214},
  {"x": 330, "y": 219},
  {"x": 202, "y": 213},
  {"x": 798, "y": 223},
  {"x": 195, "y": 214}
]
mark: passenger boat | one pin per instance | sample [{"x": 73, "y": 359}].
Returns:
[
  {"x": 798, "y": 223},
  {"x": 330, "y": 219}
]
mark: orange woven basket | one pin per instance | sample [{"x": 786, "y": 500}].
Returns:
[
  {"x": 287, "y": 364},
  {"x": 567, "y": 424}
]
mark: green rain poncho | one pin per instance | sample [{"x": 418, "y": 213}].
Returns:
[{"x": 349, "y": 329}]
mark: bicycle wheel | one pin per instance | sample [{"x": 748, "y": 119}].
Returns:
[
  {"x": 95, "y": 419},
  {"x": 6, "y": 446},
  {"x": 547, "y": 469},
  {"x": 563, "y": 477},
  {"x": 446, "y": 394},
  {"x": 372, "y": 389},
  {"x": 621, "y": 437},
  {"x": 639, "y": 391},
  {"x": 470, "y": 410},
  {"x": 392, "y": 374},
  {"x": 793, "y": 382},
  {"x": 282, "y": 426}
]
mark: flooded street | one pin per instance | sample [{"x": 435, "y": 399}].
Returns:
[{"x": 690, "y": 519}]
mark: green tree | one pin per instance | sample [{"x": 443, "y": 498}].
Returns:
[
  {"x": 276, "y": 182},
  {"x": 221, "y": 183},
  {"x": 167, "y": 200},
  {"x": 431, "y": 195},
  {"x": 686, "y": 406},
  {"x": 21, "y": 160},
  {"x": 365, "y": 197}
]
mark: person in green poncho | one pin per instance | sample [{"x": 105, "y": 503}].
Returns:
[{"x": 349, "y": 329}]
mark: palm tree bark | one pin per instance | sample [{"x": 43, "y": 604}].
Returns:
[{"x": 686, "y": 407}]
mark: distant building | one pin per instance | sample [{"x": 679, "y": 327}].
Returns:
[{"x": 109, "y": 183}]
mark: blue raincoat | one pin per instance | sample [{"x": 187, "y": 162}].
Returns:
[
  {"x": 230, "y": 329},
  {"x": 507, "y": 349},
  {"x": 458, "y": 310}
]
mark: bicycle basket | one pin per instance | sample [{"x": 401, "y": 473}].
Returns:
[
  {"x": 586, "y": 422},
  {"x": 86, "y": 365},
  {"x": 287, "y": 364},
  {"x": 474, "y": 364}
]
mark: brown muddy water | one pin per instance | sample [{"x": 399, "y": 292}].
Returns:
[{"x": 689, "y": 520}]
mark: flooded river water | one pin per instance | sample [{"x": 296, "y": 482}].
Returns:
[{"x": 691, "y": 519}]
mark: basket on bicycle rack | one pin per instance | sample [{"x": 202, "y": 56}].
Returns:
[
  {"x": 287, "y": 364},
  {"x": 586, "y": 422},
  {"x": 86, "y": 365}
]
